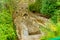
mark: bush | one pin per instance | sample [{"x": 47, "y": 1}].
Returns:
[
  {"x": 35, "y": 6},
  {"x": 7, "y": 31},
  {"x": 56, "y": 16},
  {"x": 46, "y": 7},
  {"x": 58, "y": 4}
]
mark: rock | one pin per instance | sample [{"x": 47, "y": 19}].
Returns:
[{"x": 27, "y": 23}]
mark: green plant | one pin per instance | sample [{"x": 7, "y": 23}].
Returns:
[
  {"x": 48, "y": 7},
  {"x": 35, "y": 6},
  {"x": 7, "y": 32},
  {"x": 45, "y": 7},
  {"x": 56, "y": 16}
]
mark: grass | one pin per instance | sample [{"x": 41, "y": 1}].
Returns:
[{"x": 7, "y": 31}]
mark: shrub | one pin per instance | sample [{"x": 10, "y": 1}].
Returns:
[
  {"x": 46, "y": 7},
  {"x": 35, "y": 6},
  {"x": 7, "y": 31},
  {"x": 56, "y": 16}
]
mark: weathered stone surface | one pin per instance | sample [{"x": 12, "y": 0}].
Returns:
[{"x": 27, "y": 23}]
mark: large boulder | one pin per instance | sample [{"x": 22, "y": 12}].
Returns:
[{"x": 27, "y": 23}]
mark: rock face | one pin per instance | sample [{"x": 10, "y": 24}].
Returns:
[{"x": 27, "y": 23}]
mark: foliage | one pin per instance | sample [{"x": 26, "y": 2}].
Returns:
[
  {"x": 51, "y": 32},
  {"x": 56, "y": 16},
  {"x": 46, "y": 7},
  {"x": 7, "y": 31},
  {"x": 35, "y": 6}
]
